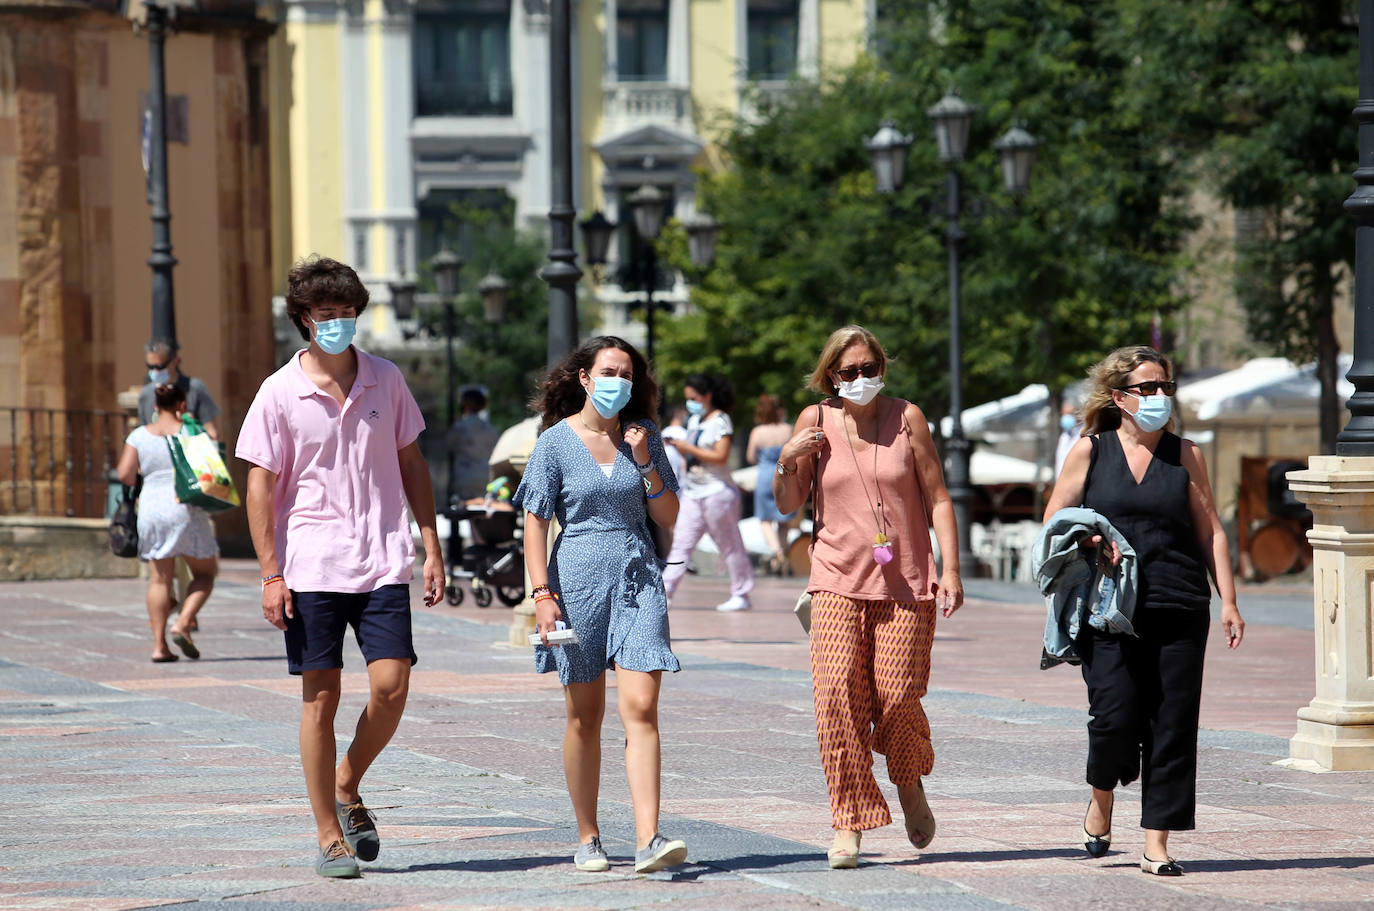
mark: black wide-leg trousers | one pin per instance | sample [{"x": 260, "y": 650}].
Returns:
[{"x": 1144, "y": 693}]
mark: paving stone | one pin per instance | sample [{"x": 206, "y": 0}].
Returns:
[{"x": 173, "y": 785}]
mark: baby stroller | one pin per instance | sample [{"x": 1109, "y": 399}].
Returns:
[{"x": 494, "y": 561}]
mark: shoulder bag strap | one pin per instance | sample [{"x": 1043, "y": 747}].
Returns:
[
  {"x": 816, "y": 481},
  {"x": 1092, "y": 463}
]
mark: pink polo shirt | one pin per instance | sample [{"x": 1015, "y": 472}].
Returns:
[{"x": 341, "y": 517}]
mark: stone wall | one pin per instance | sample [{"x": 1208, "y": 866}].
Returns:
[
  {"x": 75, "y": 291},
  {"x": 36, "y": 547}
]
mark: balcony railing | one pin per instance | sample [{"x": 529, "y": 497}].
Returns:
[
  {"x": 445, "y": 99},
  {"x": 54, "y": 462},
  {"x": 635, "y": 104}
]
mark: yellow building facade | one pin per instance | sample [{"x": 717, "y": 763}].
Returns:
[{"x": 391, "y": 113}]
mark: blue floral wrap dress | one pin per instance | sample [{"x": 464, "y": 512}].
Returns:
[{"x": 603, "y": 566}]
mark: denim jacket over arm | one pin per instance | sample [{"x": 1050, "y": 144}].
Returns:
[{"x": 1075, "y": 584}]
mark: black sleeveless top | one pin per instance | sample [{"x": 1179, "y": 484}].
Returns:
[{"x": 1154, "y": 517}]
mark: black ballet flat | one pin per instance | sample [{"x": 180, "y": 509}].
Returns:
[
  {"x": 1097, "y": 845},
  {"x": 1167, "y": 867}
]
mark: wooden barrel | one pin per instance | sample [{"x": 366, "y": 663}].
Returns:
[{"x": 1274, "y": 550}]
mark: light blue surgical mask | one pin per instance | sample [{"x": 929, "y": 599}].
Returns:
[
  {"x": 1154, "y": 411},
  {"x": 335, "y": 335},
  {"x": 158, "y": 377},
  {"x": 1067, "y": 422},
  {"x": 696, "y": 406},
  {"x": 610, "y": 394}
]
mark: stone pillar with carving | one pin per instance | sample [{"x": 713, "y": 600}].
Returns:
[{"x": 1336, "y": 730}]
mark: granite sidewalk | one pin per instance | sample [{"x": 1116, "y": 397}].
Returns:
[{"x": 133, "y": 785}]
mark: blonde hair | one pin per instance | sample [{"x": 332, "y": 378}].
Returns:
[
  {"x": 834, "y": 348},
  {"x": 1099, "y": 412}
]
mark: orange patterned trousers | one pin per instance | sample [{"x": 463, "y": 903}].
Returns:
[{"x": 870, "y": 662}]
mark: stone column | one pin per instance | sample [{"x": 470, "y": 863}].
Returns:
[{"x": 1336, "y": 730}]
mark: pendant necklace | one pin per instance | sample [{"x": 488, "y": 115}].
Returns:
[{"x": 882, "y": 547}]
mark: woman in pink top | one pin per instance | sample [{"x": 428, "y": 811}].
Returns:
[{"x": 878, "y": 491}]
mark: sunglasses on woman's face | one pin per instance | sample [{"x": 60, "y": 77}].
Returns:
[
  {"x": 1150, "y": 387},
  {"x": 850, "y": 374}
]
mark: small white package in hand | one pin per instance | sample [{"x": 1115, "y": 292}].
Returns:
[{"x": 562, "y": 634}]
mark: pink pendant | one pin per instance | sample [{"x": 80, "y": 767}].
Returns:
[{"x": 882, "y": 554}]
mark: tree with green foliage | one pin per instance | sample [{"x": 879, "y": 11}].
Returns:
[
  {"x": 1077, "y": 267},
  {"x": 1259, "y": 96}
]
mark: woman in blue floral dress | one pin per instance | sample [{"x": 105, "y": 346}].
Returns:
[{"x": 600, "y": 469}]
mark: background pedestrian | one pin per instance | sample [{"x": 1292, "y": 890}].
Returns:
[
  {"x": 168, "y": 529},
  {"x": 710, "y": 499},
  {"x": 771, "y": 430}
]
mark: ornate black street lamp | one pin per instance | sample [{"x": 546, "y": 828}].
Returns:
[
  {"x": 561, "y": 273},
  {"x": 648, "y": 204},
  {"x": 702, "y": 231},
  {"x": 597, "y": 232},
  {"x": 1357, "y": 439},
  {"x": 953, "y": 118},
  {"x": 161, "y": 261},
  {"x": 447, "y": 267}
]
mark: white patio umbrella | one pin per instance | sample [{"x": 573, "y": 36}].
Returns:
[{"x": 1263, "y": 387}]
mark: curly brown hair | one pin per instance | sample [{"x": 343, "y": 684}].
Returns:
[
  {"x": 561, "y": 395},
  {"x": 321, "y": 280},
  {"x": 1099, "y": 412}
]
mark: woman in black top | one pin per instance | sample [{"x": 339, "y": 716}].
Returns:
[{"x": 1144, "y": 691}]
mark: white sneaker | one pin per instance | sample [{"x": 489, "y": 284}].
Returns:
[{"x": 736, "y": 602}]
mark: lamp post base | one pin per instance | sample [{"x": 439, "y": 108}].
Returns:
[
  {"x": 1336, "y": 731},
  {"x": 1339, "y": 738}
]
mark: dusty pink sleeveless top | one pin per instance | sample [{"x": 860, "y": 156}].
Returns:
[{"x": 842, "y": 545}]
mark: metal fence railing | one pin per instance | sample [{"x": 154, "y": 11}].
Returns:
[{"x": 55, "y": 462}]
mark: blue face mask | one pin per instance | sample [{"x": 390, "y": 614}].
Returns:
[
  {"x": 335, "y": 335},
  {"x": 696, "y": 406},
  {"x": 1067, "y": 422},
  {"x": 610, "y": 394},
  {"x": 1154, "y": 411},
  {"x": 158, "y": 377}
]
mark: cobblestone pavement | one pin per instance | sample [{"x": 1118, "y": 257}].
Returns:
[{"x": 132, "y": 785}]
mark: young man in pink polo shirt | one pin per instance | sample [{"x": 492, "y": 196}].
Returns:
[{"x": 331, "y": 438}]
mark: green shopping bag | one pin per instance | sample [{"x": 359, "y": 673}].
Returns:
[{"x": 202, "y": 479}]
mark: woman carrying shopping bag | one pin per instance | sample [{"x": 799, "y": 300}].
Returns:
[{"x": 168, "y": 529}]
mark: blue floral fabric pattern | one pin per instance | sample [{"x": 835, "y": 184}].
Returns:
[{"x": 602, "y": 566}]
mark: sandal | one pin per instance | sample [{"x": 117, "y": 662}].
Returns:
[
  {"x": 183, "y": 642},
  {"x": 844, "y": 851},
  {"x": 920, "y": 821}
]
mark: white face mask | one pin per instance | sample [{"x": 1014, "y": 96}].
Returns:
[{"x": 861, "y": 390}]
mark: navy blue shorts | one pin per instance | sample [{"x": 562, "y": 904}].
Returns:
[{"x": 380, "y": 621}]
